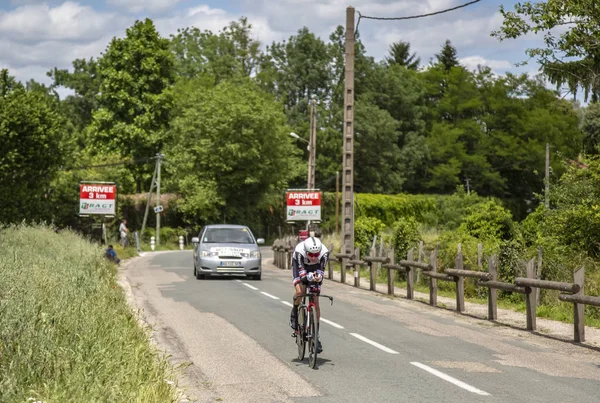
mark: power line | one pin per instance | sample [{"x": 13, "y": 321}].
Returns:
[{"x": 412, "y": 17}]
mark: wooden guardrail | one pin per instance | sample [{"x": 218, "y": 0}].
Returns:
[{"x": 529, "y": 285}]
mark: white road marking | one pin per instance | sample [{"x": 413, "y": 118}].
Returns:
[
  {"x": 238, "y": 280},
  {"x": 288, "y": 303},
  {"x": 269, "y": 295},
  {"x": 331, "y": 323},
  {"x": 250, "y": 286},
  {"x": 450, "y": 379},
  {"x": 375, "y": 344}
]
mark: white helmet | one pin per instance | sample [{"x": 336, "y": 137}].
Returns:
[{"x": 313, "y": 245}]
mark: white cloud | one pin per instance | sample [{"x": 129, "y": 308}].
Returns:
[
  {"x": 137, "y": 6},
  {"x": 37, "y": 37},
  {"x": 215, "y": 19},
  {"x": 68, "y": 21},
  {"x": 471, "y": 62}
]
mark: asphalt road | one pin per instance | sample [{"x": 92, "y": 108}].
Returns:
[{"x": 235, "y": 334}]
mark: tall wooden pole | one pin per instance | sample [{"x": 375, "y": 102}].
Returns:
[
  {"x": 312, "y": 145},
  {"x": 348, "y": 140}
]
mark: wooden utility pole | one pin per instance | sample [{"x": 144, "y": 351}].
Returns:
[
  {"x": 149, "y": 197},
  {"x": 312, "y": 145},
  {"x": 158, "y": 204},
  {"x": 348, "y": 140},
  {"x": 547, "y": 189},
  {"x": 337, "y": 202}
]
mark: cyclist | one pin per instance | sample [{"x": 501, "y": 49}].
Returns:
[{"x": 308, "y": 267}]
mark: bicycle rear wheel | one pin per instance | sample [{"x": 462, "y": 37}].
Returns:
[
  {"x": 301, "y": 335},
  {"x": 312, "y": 341}
]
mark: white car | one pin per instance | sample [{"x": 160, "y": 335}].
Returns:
[{"x": 225, "y": 250}]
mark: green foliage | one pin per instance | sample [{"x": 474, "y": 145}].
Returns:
[
  {"x": 365, "y": 229},
  {"x": 399, "y": 53},
  {"x": 231, "y": 53},
  {"x": 32, "y": 147},
  {"x": 135, "y": 99},
  {"x": 66, "y": 330},
  {"x": 376, "y": 135},
  {"x": 220, "y": 156},
  {"x": 447, "y": 56},
  {"x": 570, "y": 30},
  {"x": 405, "y": 235},
  {"x": 590, "y": 125},
  {"x": 488, "y": 220}
]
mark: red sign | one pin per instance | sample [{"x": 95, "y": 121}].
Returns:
[
  {"x": 98, "y": 192},
  {"x": 303, "y": 198}
]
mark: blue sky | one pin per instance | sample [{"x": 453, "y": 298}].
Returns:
[{"x": 36, "y": 36}]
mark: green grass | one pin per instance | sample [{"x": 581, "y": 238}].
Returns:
[{"x": 66, "y": 331}]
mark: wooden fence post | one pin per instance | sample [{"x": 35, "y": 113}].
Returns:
[
  {"x": 329, "y": 268},
  {"x": 460, "y": 282},
  {"x": 530, "y": 297},
  {"x": 343, "y": 270},
  {"x": 433, "y": 281},
  {"x": 356, "y": 268},
  {"x": 538, "y": 291},
  {"x": 419, "y": 259},
  {"x": 390, "y": 254},
  {"x": 480, "y": 256},
  {"x": 493, "y": 292},
  {"x": 579, "y": 309},
  {"x": 410, "y": 286},
  {"x": 373, "y": 269}
]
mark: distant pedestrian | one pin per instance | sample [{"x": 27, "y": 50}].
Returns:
[
  {"x": 123, "y": 230},
  {"x": 111, "y": 255}
]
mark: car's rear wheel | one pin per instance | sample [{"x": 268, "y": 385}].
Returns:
[{"x": 256, "y": 277}]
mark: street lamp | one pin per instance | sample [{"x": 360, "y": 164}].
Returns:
[{"x": 294, "y": 135}]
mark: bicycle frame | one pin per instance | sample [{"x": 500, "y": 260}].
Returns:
[{"x": 311, "y": 302}]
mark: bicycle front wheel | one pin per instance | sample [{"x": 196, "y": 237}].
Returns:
[
  {"x": 312, "y": 346},
  {"x": 301, "y": 335}
]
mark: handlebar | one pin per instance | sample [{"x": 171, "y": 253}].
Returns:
[{"x": 314, "y": 294}]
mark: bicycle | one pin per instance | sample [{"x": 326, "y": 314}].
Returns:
[{"x": 307, "y": 330}]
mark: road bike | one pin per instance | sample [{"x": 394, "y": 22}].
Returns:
[{"x": 307, "y": 330}]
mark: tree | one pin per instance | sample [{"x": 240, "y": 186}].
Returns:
[
  {"x": 571, "y": 53},
  {"x": 447, "y": 56},
  {"x": 400, "y": 54},
  {"x": 376, "y": 135},
  {"x": 231, "y": 150},
  {"x": 590, "y": 126},
  {"x": 85, "y": 81},
  {"x": 229, "y": 53},
  {"x": 298, "y": 69},
  {"x": 31, "y": 150},
  {"x": 135, "y": 96}
]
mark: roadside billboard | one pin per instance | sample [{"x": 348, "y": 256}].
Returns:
[
  {"x": 303, "y": 205},
  {"x": 97, "y": 198}
]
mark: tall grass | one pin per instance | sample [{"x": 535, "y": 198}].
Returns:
[{"x": 66, "y": 331}]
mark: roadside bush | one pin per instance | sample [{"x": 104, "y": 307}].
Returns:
[
  {"x": 365, "y": 228},
  {"x": 452, "y": 209},
  {"x": 489, "y": 220},
  {"x": 405, "y": 235},
  {"x": 66, "y": 331}
]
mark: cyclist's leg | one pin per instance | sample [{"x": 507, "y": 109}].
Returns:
[{"x": 299, "y": 290}]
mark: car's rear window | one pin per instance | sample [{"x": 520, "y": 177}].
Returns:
[{"x": 227, "y": 235}]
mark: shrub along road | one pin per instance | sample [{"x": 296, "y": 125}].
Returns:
[{"x": 235, "y": 333}]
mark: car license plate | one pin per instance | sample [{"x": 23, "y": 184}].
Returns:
[{"x": 231, "y": 264}]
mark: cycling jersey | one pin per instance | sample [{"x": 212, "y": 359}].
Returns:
[{"x": 301, "y": 266}]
